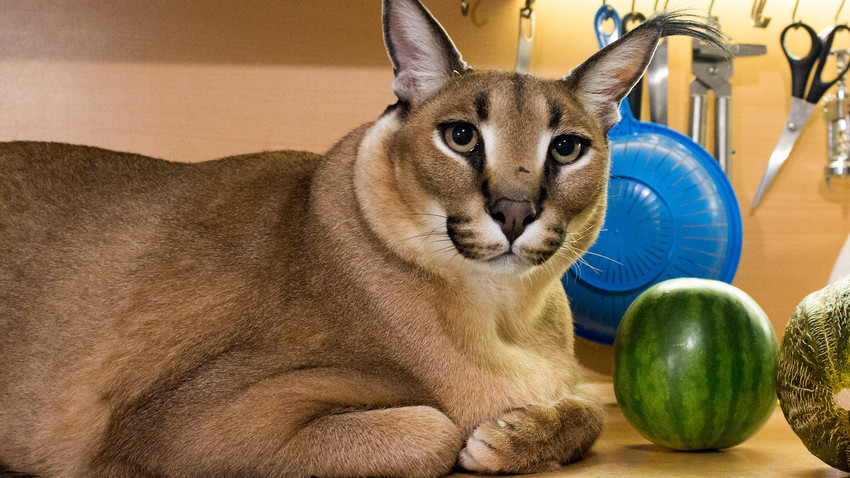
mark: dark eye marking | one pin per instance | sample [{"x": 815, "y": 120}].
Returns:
[
  {"x": 555, "y": 114},
  {"x": 482, "y": 105},
  {"x": 518, "y": 82}
]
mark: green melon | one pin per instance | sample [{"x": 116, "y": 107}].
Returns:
[
  {"x": 813, "y": 373},
  {"x": 694, "y": 365}
]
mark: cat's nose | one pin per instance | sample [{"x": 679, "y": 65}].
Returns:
[{"x": 513, "y": 216}]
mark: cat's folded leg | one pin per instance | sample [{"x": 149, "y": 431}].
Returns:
[
  {"x": 302, "y": 424},
  {"x": 416, "y": 441},
  {"x": 534, "y": 438}
]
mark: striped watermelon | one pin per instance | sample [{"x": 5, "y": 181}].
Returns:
[
  {"x": 813, "y": 373},
  {"x": 694, "y": 365}
]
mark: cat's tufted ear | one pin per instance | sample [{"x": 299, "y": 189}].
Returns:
[
  {"x": 422, "y": 54},
  {"x": 604, "y": 79}
]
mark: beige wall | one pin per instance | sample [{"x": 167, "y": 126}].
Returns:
[{"x": 198, "y": 80}]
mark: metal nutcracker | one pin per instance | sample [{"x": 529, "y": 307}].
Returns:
[{"x": 836, "y": 108}]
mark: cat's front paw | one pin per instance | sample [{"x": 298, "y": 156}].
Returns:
[
  {"x": 505, "y": 444},
  {"x": 533, "y": 439}
]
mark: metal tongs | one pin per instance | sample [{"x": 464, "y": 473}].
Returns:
[{"x": 712, "y": 69}]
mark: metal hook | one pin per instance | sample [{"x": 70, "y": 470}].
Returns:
[
  {"x": 756, "y": 18},
  {"x": 633, "y": 7},
  {"x": 464, "y": 7},
  {"x": 794, "y": 13},
  {"x": 526, "y": 11},
  {"x": 839, "y": 11},
  {"x": 710, "y": 6}
]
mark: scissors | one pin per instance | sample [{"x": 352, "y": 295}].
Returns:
[{"x": 802, "y": 103}]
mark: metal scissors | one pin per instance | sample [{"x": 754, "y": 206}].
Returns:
[{"x": 802, "y": 103}]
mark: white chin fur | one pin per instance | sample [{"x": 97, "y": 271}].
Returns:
[{"x": 507, "y": 264}]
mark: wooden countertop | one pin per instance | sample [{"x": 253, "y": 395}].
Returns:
[{"x": 775, "y": 451}]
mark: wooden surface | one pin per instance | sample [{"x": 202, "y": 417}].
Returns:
[
  {"x": 200, "y": 80},
  {"x": 621, "y": 452}
]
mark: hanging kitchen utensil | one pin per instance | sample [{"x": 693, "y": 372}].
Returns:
[
  {"x": 671, "y": 213},
  {"x": 712, "y": 69},
  {"x": 526, "y": 38},
  {"x": 656, "y": 80},
  {"x": 802, "y": 100},
  {"x": 636, "y": 95},
  {"x": 836, "y": 108},
  {"x": 756, "y": 17}
]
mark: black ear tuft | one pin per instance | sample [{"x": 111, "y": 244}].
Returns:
[
  {"x": 422, "y": 54},
  {"x": 605, "y": 78},
  {"x": 679, "y": 22}
]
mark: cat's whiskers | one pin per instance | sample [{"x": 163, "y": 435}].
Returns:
[
  {"x": 436, "y": 234},
  {"x": 581, "y": 234},
  {"x": 424, "y": 234},
  {"x": 447, "y": 249},
  {"x": 601, "y": 256},
  {"x": 583, "y": 261},
  {"x": 441, "y": 216}
]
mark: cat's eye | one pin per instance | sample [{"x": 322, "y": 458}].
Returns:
[
  {"x": 567, "y": 148},
  {"x": 461, "y": 137}
]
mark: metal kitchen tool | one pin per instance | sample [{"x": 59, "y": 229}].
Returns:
[
  {"x": 836, "y": 109},
  {"x": 757, "y": 19},
  {"x": 802, "y": 102},
  {"x": 526, "y": 37},
  {"x": 636, "y": 95},
  {"x": 671, "y": 213},
  {"x": 712, "y": 69},
  {"x": 656, "y": 81}
]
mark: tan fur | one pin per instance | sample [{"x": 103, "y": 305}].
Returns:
[{"x": 291, "y": 314}]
